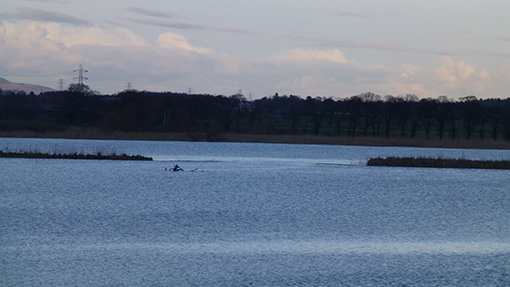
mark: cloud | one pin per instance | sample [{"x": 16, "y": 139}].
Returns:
[
  {"x": 357, "y": 44},
  {"x": 151, "y": 13},
  {"x": 182, "y": 25},
  {"x": 409, "y": 70},
  {"x": 116, "y": 56},
  {"x": 503, "y": 73},
  {"x": 234, "y": 30},
  {"x": 302, "y": 55},
  {"x": 112, "y": 56},
  {"x": 160, "y": 19},
  {"x": 311, "y": 85},
  {"x": 453, "y": 78},
  {"x": 93, "y": 35},
  {"x": 384, "y": 46},
  {"x": 32, "y": 14},
  {"x": 461, "y": 76},
  {"x": 351, "y": 14},
  {"x": 399, "y": 88},
  {"x": 502, "y": 38},
  {"x": 449, "y": 72},
  {"x": 386, "y": 81},
  {"x": 327, "y": 73},
  {"x": 168, "y": 24},
  {"x": 173, "y": 62},
  {"x": 57, "y": 1},
  {"x": 26, "y": 48},
  {"x": 486, "y": 53},
  {"x": 172, "y": 40}
]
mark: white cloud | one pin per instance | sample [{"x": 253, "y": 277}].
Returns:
[
  {"x": 409, "y": 70},
  {"x": 464, "y": 70},
  {"x": 460, "y": 75},
  {"x": 484, "y": 74},
  {"x": 452, "y": 78},
  {"x": 172, "y": 40},
  {"x": 27, "y": 46},
  {"x": 302, "y": 55},
  {"x": 72, "y": 36}
]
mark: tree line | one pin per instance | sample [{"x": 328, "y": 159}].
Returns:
[{"x": 363, "y": 115}]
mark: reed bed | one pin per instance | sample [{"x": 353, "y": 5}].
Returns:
[
  {"x": 439, "y": 162},
  {"x": 56, "y": 155}
]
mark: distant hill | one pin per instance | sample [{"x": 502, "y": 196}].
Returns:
[{"x": 27, "y": 88}]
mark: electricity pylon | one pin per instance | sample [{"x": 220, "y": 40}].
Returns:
[
  {"x": 81, "y": 77},
  {"x": 61, "y": 84}
]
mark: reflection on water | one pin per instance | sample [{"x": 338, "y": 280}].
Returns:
[
  {"x": 318, "y": 247},
  {"x": 293, "y": 247}
]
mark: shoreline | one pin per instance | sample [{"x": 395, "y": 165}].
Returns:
[{"x": 262, "y": 138}]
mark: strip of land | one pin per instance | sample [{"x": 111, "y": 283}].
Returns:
[
  {"x": 439, "y": 163},
  {"x": 262, "y": 138},
  {"x": 72, "y": 156}
]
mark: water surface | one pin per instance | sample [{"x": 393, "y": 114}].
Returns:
[{"x": 250, "y": 214}]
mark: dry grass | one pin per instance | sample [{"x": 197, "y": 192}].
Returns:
[{"x": 291, "y": 139}]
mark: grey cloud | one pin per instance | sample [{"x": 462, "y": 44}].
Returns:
[
  {"x": 381, "y": 46},
  {"x": 25, "y": 13},
  {"x": 235, "y": 31},
  {"x": 493, "y": 54},
  {"x": 351, "y": 14},
  {"x": 347, "y": 44},
  {"x": 57, "y": 1},
  {"x": 386, "y": 46},
  {"x": 189, "y": 26},
  {"x": 502, "y": 38},
  {"x": 168, "y": 24},
  {"x": 151, "y": 13}
]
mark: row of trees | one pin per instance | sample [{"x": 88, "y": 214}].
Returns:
[
  {"x": 367, "y": 114},
  {"x": 407, "y": 116}
]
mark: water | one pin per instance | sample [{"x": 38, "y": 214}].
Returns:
[{"x": 250, "y": 215}]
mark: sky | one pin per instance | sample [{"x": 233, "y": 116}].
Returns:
[{"x": 319, "y": 48}]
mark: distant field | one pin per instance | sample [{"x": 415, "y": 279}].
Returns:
[{"x": 291, "y": 139}]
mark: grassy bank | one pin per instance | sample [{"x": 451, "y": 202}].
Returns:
[
  {"x": 35, "y": 154},
  {"x": 262, "y": 138},
  {"x": 439, "y": 163}
]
